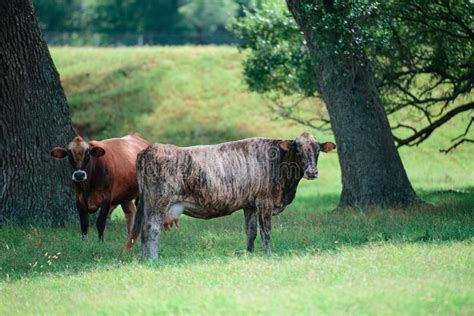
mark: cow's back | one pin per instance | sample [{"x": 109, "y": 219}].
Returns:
[
  {"x": 120, "y": 162},
  {"x": 223, "y": 177}
]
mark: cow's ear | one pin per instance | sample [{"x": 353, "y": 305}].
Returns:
[
  {"x": 97, "y": 151},
  {"x": 58, "y": 152},
  {"x": 327, "y": 147},
  {"x": 285, "y": 145}
]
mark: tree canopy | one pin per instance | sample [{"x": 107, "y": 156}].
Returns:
[{"x": 204, "y": 17}]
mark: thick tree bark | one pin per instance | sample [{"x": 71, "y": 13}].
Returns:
[
  {"x": 372, "y": 171},
  {"x": 34, "y": 188}
]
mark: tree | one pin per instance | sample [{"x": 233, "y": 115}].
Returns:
[
  {"x": 372, "y": 171},
  {"x": 338, "y": 70},
  {"x": 34, "y": 118},
  {"x": 160, "y": 16},
  {"x": 421, "y": 54},
  {"x": 205, "y": 17},
  {"x": 116, "y": 16},
  {"x": 58, "y": 15}
]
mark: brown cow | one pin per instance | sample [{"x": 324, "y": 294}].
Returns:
[
  {"x": 258, "y": 175},
  {"x": 104, "y": 176}
]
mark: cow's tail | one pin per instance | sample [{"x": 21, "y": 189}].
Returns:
[{"x": 137, "y": 224}]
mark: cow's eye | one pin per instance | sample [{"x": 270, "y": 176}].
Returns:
[
  {"x": 87, "y": 156},
  {"x": 299, "y": 149}
]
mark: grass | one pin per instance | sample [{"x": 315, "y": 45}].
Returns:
[
  {"x": 414, "y": 261},
  {"x": 374, "y": 279},
  {"x": 411, "y": 261}
]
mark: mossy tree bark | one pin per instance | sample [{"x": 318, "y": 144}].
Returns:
[
  {"x": 34, "y": 188},
  {"x": 372, "y": 171}
]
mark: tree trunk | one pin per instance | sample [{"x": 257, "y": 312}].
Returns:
[
  {"x": 34, "y": 188},
  {"x": 372, "y": 171}
]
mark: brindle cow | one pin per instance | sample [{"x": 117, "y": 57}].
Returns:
[
  {"x": 258, "y": 175},
  {"x": 104, "y": 176}
]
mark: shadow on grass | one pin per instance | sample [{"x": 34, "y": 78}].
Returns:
[
  {"x": 30, "y": 252},
  {"x": 439, "y": 196}
]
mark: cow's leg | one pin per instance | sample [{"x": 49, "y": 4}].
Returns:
[
  {"x": 84, "y": 218},
  {"x": 83, "y": 215},
  {"x": 102, "y": 218},
  {"x": 153, "y": 219},
  {"x": 265, "y": 222},
  {"x": 155, "y": 223},
  {"x": 129, "y": 210},
  {"x": 250, "y": 227},
  {"x": 144, "y": 233}
]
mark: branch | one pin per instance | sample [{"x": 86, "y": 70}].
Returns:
[
  {"x": 322, "y": 127},
  {"x": 446, "y": 151},
  {"x": 464, "y": 140},
  {"x": 438, "y": 29},
  {"x": 422, "y": 16},
  {"x": 459, "y": 21},
  {"x": 399, "y": 125},
  {"x": 465, "y": 132},
  {"x": 423, "y": 134},
  {"x": 283, "y": 112},
  {"x": 414, "y": 101}
]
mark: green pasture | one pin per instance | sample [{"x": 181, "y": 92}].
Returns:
[{"x": 416, "y": 261}]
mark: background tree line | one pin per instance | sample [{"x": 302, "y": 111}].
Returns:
[{"x": 138, "y": 22}]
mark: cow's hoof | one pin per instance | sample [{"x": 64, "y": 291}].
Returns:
[
  {"x": 267, "y": 252},
  {"x": 151, "y": 261}
]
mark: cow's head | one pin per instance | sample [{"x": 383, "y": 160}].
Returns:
[
  {"x": 79, "y": 153},
  {"x": 307, "y": 151}
]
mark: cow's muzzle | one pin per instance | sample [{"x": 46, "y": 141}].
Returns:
[
  {"x": 79, "y": 176},
  {"x": 311, "y": 174}
]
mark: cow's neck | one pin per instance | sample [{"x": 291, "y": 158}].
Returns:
[
  {"x": 290, "y": 172},
  {"x": 83, "y": 187}
]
